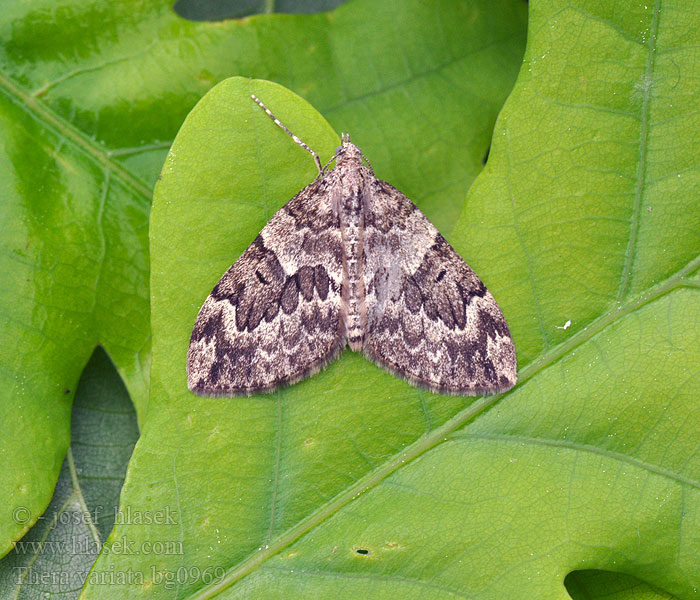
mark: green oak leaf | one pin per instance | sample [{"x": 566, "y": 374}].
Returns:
[
  {"x": 584, "y": 225},
  {"x": 92, "y": 94}
]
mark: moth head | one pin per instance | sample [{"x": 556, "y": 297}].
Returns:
[
  {"x": 343, "y": 149},
  {"x": 348, "y": 152}
]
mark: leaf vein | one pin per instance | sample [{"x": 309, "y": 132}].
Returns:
[
  {"x": 90, "y": 147},
  {"x": 642, "y": 158},
  {"x": 617, "y": 456}
]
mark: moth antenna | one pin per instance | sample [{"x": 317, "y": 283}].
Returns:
[{"x": 294, "y": 137}]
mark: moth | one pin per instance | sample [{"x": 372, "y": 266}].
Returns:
[{"x": 349, "y": 261}]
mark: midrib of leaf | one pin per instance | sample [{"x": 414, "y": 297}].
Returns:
[
  {"x": 43, "y": 114},
  {"x": 439, "y": 435},
  {"x": 642, "y": 160},
  {"x": 76, "y": 494}
]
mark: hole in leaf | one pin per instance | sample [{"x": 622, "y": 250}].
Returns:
[
  {"x": 590, "y": 583},
  {"x": 362, "y": 551},
  {"x": 102, "y": 413},
  {"x": 221, "y": 10}
]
